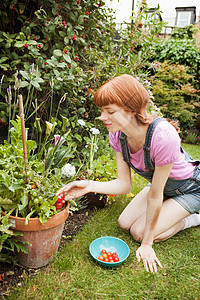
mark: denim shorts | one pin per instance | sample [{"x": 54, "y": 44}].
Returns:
[{"x": 185, "y": 192}]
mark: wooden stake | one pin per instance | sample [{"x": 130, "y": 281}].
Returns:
[{"x": 21, "y": 109}]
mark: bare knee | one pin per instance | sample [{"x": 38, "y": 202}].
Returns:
[
  {"x": 137, "y": 233},
  {"x": 123, "y": 223}
]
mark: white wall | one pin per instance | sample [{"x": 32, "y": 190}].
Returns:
[{"x": 123, "y": 8}]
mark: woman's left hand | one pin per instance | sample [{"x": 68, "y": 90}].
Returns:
[{"x": 150, "y": 260}]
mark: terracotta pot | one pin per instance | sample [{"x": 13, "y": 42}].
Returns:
[
  {"x": 45, "y": 239},
  {"x": 96, "y": 200}
]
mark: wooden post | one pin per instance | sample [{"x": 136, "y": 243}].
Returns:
[{"x": 21, "y": 109}]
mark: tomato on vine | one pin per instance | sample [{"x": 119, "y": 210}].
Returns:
[
  {"x": 60, "y": 197},
  {"x": 58, "y": 205}
]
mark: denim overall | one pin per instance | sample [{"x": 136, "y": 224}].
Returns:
[{"x": 185, "y": 191}]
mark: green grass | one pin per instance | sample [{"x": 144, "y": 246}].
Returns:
[{"x": 75, "y": 275}]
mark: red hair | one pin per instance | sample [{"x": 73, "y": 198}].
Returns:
[{"x": 126, "y": 92}]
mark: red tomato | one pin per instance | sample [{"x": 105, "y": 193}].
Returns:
[
  {"x": 100, "y": 258},
  {"x": 111, "y": 261},
  {"x": 114, "y": 255},
  {"x": 110, "y": 257},
  {"x": 58, "y": 205},
  {"x": 109, "y": 253},
  {"x": 103, "y": 251},
  {"x": 106, "y": 260},
  {"x": 105, "y": 255},
  {"x": 116, "y": 259},
  {"x": 60, "y": 197}
]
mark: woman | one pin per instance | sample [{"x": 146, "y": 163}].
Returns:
[{"x": 152, "y": 148}]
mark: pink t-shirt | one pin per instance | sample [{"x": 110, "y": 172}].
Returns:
[{"x": 165, "y": 149}]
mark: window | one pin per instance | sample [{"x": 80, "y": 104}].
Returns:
[{"x": 185, "y": 16}]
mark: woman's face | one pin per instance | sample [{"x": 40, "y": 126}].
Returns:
[{"x": 115, "y": 118}]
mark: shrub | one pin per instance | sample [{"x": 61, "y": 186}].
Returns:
[
  {"x": 175, "y": 95},
  {"x": 51, "y": 45},
  {"x": 180, "y": 48}
]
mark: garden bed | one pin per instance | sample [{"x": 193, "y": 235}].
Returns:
[{"x": 13, "y": 276}]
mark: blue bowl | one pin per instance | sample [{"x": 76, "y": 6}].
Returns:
[{"x": 110, "y": 244}]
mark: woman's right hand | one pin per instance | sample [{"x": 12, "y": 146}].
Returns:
[{"x": 75, "y": 189}]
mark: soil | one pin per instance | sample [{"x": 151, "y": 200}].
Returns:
[{"x": 12, "y": 276}]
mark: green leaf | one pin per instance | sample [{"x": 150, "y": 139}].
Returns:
[
  {"x": 49, "y": 61},
  {"x": 57, "y": 52},
  {"x": 2, "y": 59},
  {"x": 67, "y": 58},
  {"x": 35, "y": 84},
  {"x": 80, "y": 19},
  {"x": 28, "y": 217},
  {"x": 61, "y": 65},
  {"x": 25, "y": 75},
  {"x": 66, "y": 41},
  {"x": 78, "y": 137},
  {"x": 24, "y": 83},
  {"x": 18, "y": 44},
  {"x": 62, "y": 33}
]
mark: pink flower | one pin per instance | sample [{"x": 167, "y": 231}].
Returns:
[
  {"x": 74, "y": 37},
  {"x": 199, "y": 137},
  {"x": 46, "y": 63},
  {"x": 59, "y": 6},
  {"x": 83, "y": 36},
  {"x": 85, "y": 20},
  {"x": 70, "y": 66},
  {"x": 49, "y": 19},
  {"x": 78, "y": 1},
  {"x": 34, "y": 38},
  {"x": 57, "y": 138},
  {"x": 76, "y": 58},
  {"x": 25, "y": 45},
  {"x": 39, "y": 46},
  {"x": 65, "y": 51},
  {"x": 87, "y": 12}
]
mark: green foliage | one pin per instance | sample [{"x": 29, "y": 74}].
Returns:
[
  {"x": 180, "y": 48},
  {"x": 50, "y": 44},
  {"x": 175, "y": 95},
  {"x": 8, "y": 245},
  {"x": 183, "y": 33},
  {"x": 31, "y": 193},
  {"x": 193, "y": 136}
]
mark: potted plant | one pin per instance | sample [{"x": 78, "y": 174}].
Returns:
[{"x": 31, "y": 174}]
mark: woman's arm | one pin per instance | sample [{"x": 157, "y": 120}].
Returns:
[
  {"x": 154, "y": 204},
  {"x": 121, "y": 185}
]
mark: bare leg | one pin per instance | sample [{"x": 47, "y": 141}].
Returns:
[
  {"x": 134, "y": 210},
  {"x": 169, "y": 223}
]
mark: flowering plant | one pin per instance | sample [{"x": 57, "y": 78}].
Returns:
[
  {"x": 31, "y": 192},
  {"x": 98, "y": 161}
]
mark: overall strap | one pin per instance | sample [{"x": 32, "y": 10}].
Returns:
[
  {"x": 149, "y": 165},
  {"x": 125, "y": 150}
]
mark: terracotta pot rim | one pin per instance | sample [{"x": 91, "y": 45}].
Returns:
[{"x": 34, "y": 224}]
